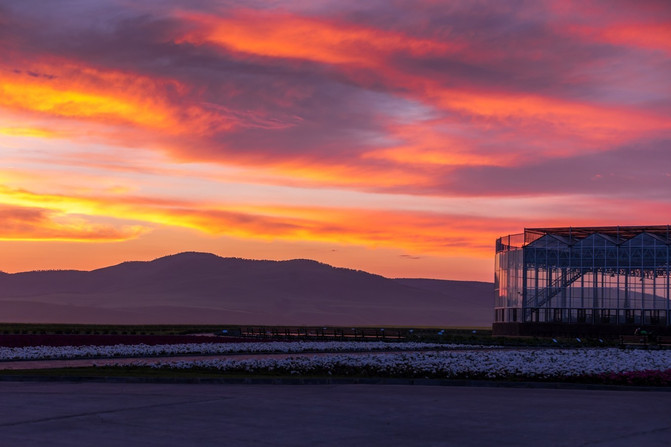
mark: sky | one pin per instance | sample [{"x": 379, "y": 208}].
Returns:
[{"x": 397, "y": 137}]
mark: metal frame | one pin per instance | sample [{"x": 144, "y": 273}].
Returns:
[{"x": 593, "y": 275}]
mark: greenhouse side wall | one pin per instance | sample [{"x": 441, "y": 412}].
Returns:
[{"x": 585, "y": 280}]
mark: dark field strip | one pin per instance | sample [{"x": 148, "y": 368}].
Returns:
[
  {"x": 140, "y": 372},
  {"x": 109, "y": 329},
  {"x": 205, "y": 376},
  {"x": 41, "y": 334},
  {"x": 232, "y": 329},
  {"x": 24, "y": 340},
  {"x": 26, "y": 334}
]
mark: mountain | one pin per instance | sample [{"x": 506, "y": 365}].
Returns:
[{"x": 192, "y": 288}]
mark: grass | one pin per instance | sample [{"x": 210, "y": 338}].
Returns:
[
  {"x": 457, "y": 335},
  {"x": 150, "y": 374},
  {"x": 110, "y": 371},
  {"x": 185, "y": 329},
  {"x": 107, "y": 329},
  {"x": 146, "y": 374}
]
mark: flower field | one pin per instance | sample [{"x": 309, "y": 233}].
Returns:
[
  {"x": 528, "y": 364},
  {"x": 142, "y": 350},
  {"x": 381, "y": 359}
]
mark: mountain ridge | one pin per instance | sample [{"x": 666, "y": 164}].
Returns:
[{"x": 196, "y": 287}]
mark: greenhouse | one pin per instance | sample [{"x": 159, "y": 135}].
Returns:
[{"x": 614, "y": 277}]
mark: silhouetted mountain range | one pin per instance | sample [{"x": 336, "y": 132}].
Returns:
[{"x": 205, "y": 288}]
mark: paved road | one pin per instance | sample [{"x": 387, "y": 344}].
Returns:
[{"x": 113, "y": 414}]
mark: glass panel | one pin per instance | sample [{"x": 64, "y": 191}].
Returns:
[{"x": 581, "y": 276}]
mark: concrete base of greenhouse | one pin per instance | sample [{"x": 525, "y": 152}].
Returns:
[{"x": 606, "y": 331}]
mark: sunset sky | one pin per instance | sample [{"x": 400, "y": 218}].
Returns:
[{"x": 396, "y": 137}]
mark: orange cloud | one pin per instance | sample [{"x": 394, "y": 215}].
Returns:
[
  {"x": 352, "y": 49},
  {"x": 70, "y": 95},
  {"x": 28, "y": 132},
  {"x": 171, "y": 115},
  {"x": 531, "y": 114},
  {"x": 33, "y": 216},
  {"x": 59, "y": 88},
  {"x": 65, "y": 217},
  {"x": 650, "y": 36},
  {"x": 350, "y": 175},
  {"x": 296, "y": 37},
  {"x": 415, "y": 232},
  {"x": 39, "y": 224},
  {"x": 430, "y": 143}
]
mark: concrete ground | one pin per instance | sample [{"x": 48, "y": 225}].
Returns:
[{"x": 132, "y": 414}]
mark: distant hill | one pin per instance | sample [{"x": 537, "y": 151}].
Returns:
[{"x": 204, "y": 288}]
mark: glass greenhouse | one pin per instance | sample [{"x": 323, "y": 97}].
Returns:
[{"x": 586, "y": 275}]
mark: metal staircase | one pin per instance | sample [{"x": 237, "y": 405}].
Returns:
[{"x": 544, "y": 295}]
